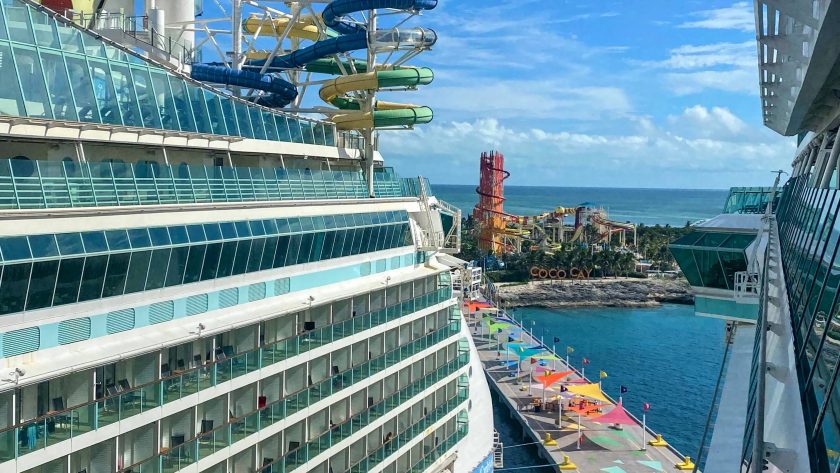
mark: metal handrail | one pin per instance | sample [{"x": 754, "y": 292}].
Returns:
[
  {"x": 758, "y": 441},
  {"x": 188, "y": 371}
]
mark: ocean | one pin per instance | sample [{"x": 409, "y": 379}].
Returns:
[
  {"x": 672, "y": 207},
  {"x": 665, "y": 356}
]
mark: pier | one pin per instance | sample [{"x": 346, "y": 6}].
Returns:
[{"x": 579, "y": 444}]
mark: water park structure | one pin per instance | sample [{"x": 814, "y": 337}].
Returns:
[
  {"x": 500, "y": 232},
  {"x": 342, "y": 53}
]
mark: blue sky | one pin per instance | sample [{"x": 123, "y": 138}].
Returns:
[{"x": 637, "y": 93}]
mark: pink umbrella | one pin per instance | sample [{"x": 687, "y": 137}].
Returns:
[{"x": 616, "y": 416}]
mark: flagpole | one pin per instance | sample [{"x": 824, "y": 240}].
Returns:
[
  {"x": 530, "y": 378},
  {"x": 559, "y": 413},
  {"x": 644, "y": 432}
]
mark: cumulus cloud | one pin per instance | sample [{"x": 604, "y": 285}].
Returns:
[
  {"x": 739, "y": 16},
  {"x": 700, "y": 148}
]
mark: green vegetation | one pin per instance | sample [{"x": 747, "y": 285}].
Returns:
[{"x": 653, "y": 246}]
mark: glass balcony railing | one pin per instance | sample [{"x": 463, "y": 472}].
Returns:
[
  {"x": 411, "y": 433},
  {"x": 441, "y": 448},
  {"x": 174, "y": 459},
  {"x": 293, "y": 459},
  {"x": 33, "y": 184},
  {"x": 48, "y": 430}
]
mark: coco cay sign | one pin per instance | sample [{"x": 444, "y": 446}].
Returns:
[{"x": 555, "y": 273}]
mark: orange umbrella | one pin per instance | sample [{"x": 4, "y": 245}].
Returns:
[
  {"x": 474, "y": 306},
  {"x": 549, "y": 379},
  {"x": 587, "y": 408}
]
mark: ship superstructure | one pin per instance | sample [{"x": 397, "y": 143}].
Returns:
[
  {"x": 195, "y": 280},
  {"x": 769, "y": 264}
]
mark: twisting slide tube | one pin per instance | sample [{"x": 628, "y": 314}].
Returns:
[
  {"x": 318, "y": 58},
  {"x": 385, "y": 114}
]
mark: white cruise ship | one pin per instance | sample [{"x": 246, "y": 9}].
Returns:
[
  {"x": 205, "y": 268},
  {"x": 770, "y": 263}
]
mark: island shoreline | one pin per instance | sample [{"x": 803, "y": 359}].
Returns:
[{"x": 596, "y": 292}]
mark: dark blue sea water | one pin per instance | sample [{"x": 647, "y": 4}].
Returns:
[
  {"x": 665, "y": 356},
  {"x": 649, "y": 206}
]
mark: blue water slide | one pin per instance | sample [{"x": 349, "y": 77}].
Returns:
[
  {"x": 354, "y": 38},
  {"x": 323, "y": 48},
  {"x": 334, "y": 12},
  {"x": 281, "y": 92}
]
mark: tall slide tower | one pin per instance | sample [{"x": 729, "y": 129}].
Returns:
[{"x": 489, "y": 212}]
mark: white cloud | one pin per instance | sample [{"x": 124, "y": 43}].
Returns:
[
  {"x": 699, "y": 148},
  {"x": 710, "y": 55},
  {"x": 730, "y": 67},
  {"x": 526, "y": 99},
  {"x": 737, "y": 80},
  {"x": 739, "y": 16},
  {"x": 714, "y": 123}
]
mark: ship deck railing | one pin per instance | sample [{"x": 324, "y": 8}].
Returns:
[
  {"x": 35, "y": 184},
  {"x": 33, "y": 435}
]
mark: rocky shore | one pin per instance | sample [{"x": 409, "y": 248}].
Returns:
[{"x": 609, "y": 292}]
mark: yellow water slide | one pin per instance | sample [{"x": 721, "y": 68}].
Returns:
[
  {"x": 338, "y": 92},
  {"x": 304, "y": 28}
]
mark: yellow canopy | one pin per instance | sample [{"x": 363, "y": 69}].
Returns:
[{"x": 591, "y": 390}]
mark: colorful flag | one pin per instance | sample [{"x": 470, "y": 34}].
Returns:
[
  {"x": 556, "y": 340},
  {"x": 602, "y": 374},
  {"x": 585, "y": 361},
  {"x": 533, "y": 360},
  {"x": 646, "y": 407},
  {"x": 570, "y": 350},
  {"x": 624, "y": 389}
]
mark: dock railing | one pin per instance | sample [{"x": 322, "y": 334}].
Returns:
[{"x": 496, "y": 301}]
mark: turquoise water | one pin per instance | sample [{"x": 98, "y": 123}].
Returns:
[
  {"x": 666, "y": 356},
  {"x": 650, "y": 206}
]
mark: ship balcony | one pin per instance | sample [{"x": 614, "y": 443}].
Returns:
[
  {"x": 720, "y": 261},
  {"x": 301, "y": 441},
  {"x": 126, "y": 388}
]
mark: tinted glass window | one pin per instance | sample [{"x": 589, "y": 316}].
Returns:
[
  {"x": 116, "y": 274},
  {"x": 157, "y": 269},
  {"x": 212, "y": 231},
  {"x": 139, "y": 238},
  {"x": 15, "y": 248},
  {"x": 94, "y": 242},
  {"x": 93, "y": 278},
  {"x": 13, "y": 287},
  {"x": 228, "y": 230},
  {"x": 138, "y": 267},
  {"x": 196, "y": 233},
  {"x": 43, "y": 246},
  {"x": 42, "y": 284},
  {"x": 117, "y": 239},
  {"x": 69, "y": 278},
  {"x": 160, "y": 236},
  {"x": 178, "y": 235}
]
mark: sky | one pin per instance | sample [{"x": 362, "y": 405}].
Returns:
[{"x": 632, "y": 93}]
